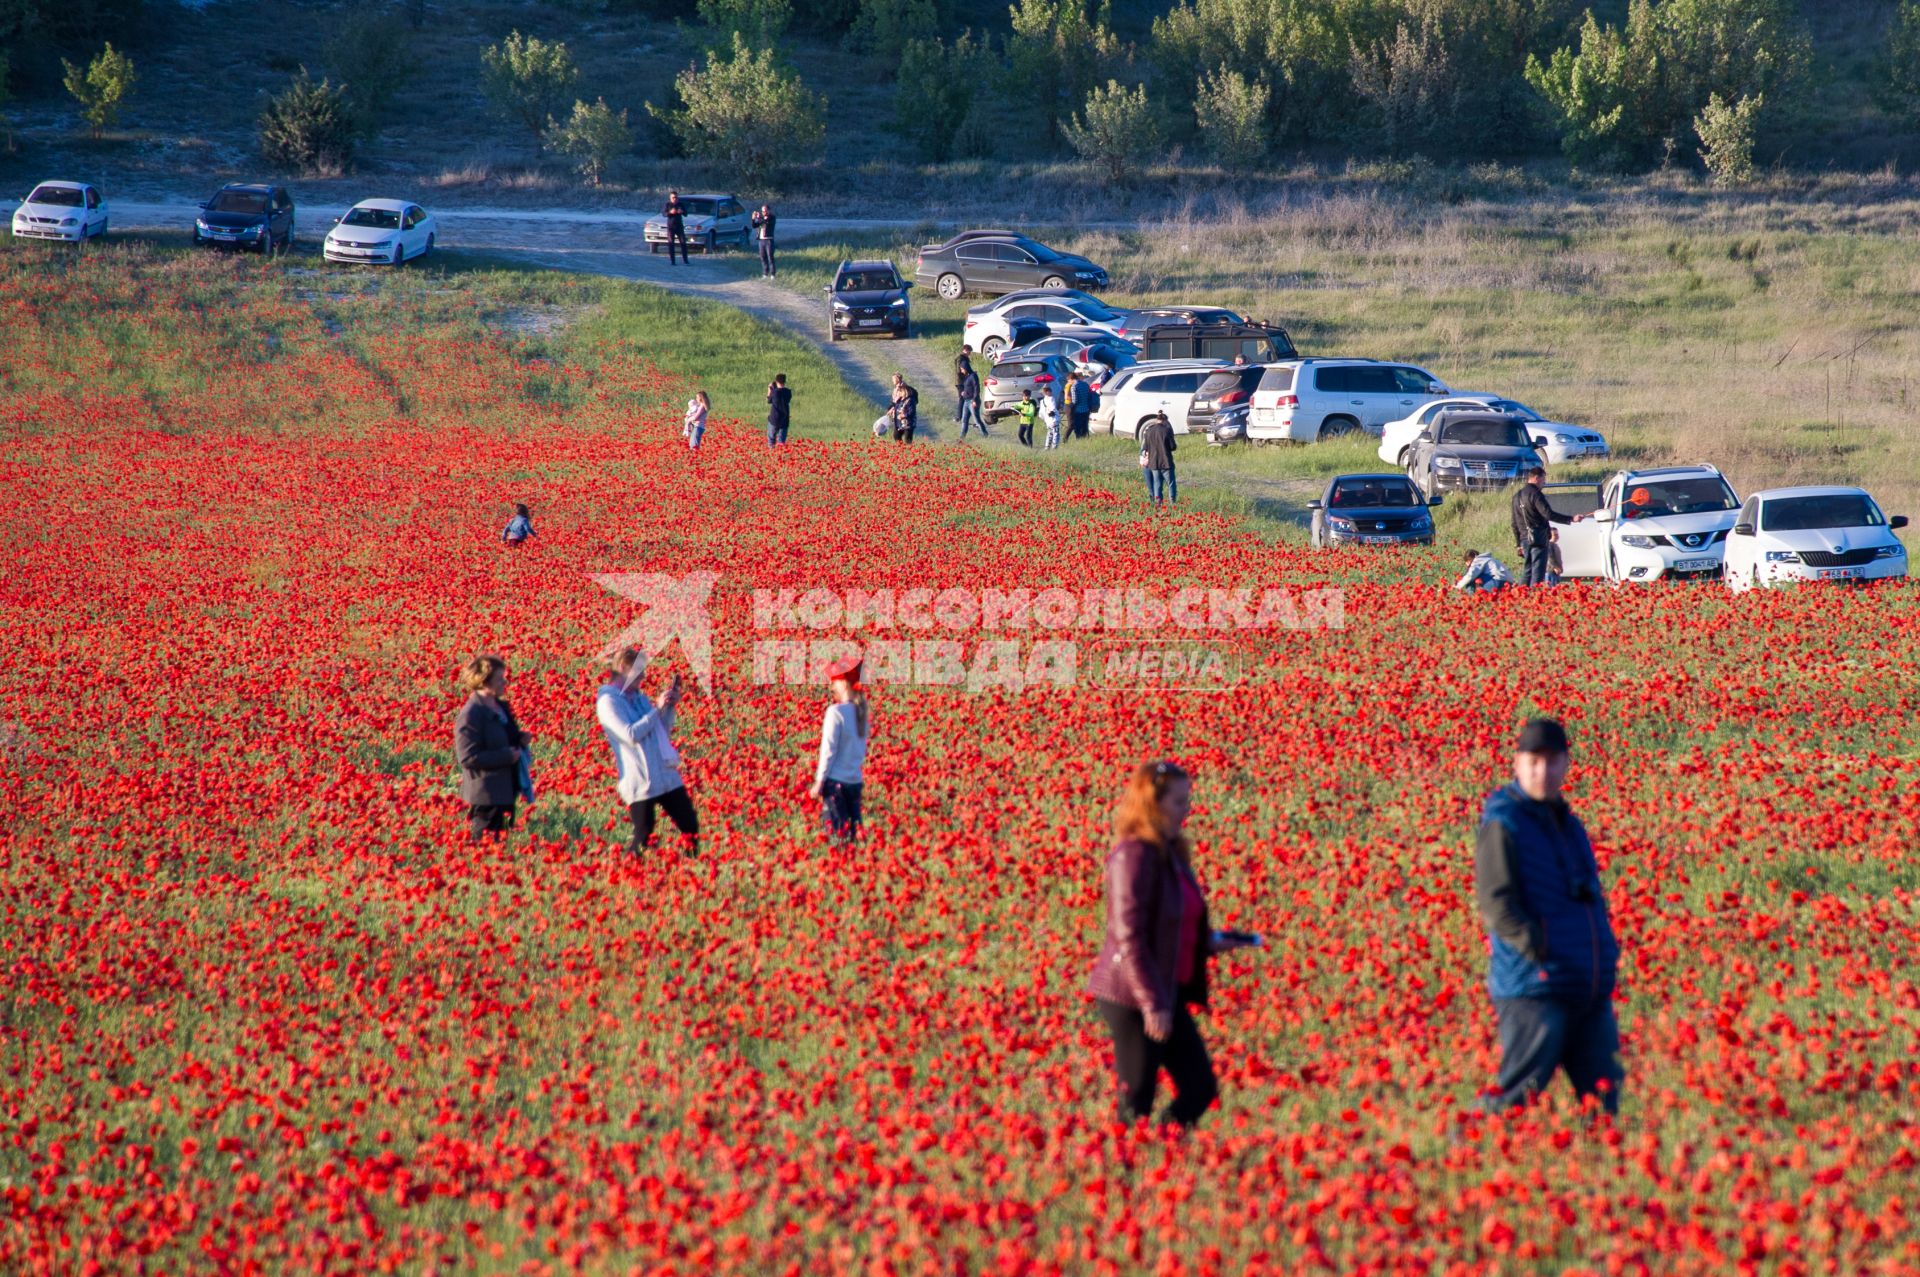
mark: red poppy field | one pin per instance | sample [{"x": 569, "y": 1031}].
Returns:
[{"x": 268, "y": 1011}]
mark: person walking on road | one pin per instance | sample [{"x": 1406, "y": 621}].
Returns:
[
  {"x": 1533, "y": 518},
  {"x": 1152, "y": 966},
  {"x": 779, "y": 410},
  {"x": 1552, "y": 957},
  {"x": 839, "y": 778},
  {"x": 694, "y": 427},
  {"x": 970, "y": 403},
  {"x": 763, "y": 226},
  {"x": 676, "y": 215},
  {"x": 490, "y": 748},
  {"x": 1156, "y": 458},
  {"x": 1028, "y": 412},
  {"x": 646, "y": 765}
]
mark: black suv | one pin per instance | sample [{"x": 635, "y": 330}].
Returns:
[
  {"x": 867, "y": 299},
  {"x": 1187, "y": 315},
  {"x": 1001, "y": 261},
  {"x": 1218, "y": 409},
  {"x": 1471, "y": 452},
  {"x": 1257, "y": 343},
  {"x": 243, "y": 215}
]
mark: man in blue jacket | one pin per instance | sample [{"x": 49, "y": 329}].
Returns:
[{"x": 1552, "y": 956}]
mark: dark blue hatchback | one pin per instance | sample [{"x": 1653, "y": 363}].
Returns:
[
  {"x": 240, "y": 215},
  {"x": 1371, "y": 509}
]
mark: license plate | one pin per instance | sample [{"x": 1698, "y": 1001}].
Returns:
[
  {"x": 1695, "y": 565},
  {"x": 1839, "y": 574},
  {"x": 1596, "y": 450},
  {"x": 867, "y": 323},
  {"x": 1378, "y": 540}
]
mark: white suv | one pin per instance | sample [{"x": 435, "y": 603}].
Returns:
[
  {"x": 1813, "y": 534},
  {"x": 987, "y": 325},
  {"x": 1560, "y": 442},
  {"x": 1160, "y": 385},
  {"x": 1306, "y": 399},
  {"x": 1647, "y": 525}
]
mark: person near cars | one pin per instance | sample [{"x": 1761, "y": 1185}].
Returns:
[
  {"x": 1152, "y": 967},
  {"x": 763, "y": 231},
  {"x": 489, "y": 746},
  {"x": 676, "y": 215},
  {"x": 1552, "y": 957},
  {"x": 839, "y": 778},
  {"x": 1079, "y": 405},
  {"x": 1556, "y": 565},
  {"x": 1533, "y": 518},
  {"x": 906, "y": 409},
  {"x": 1028, "y": 412},
  {"x": 1484, "y": 573},
  {"x": 519, "y": 527},
  {"x": 779, "y": 410},
  {"x": 962, "y": 365},
  {"x": 694, "y": 426},
  {"x": 970, "y": 417},
  {"x": 646, "y": 765},
  {"x": 1050, "y": 416},
  {"x": 1156, "y": 458}
]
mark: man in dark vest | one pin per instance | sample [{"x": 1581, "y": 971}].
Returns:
[{"x": 763, "y": 228}]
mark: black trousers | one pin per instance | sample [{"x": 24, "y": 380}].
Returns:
[
  {"x": 1138, "y": 1060},
  {"x": 679, "y": 809},
  {"x": 766, "y": 258},
  {"x": 489, "y": 819},
  {"x": 840, "y": 808},
  {"x": 677, "y": 236},
  {"x": 1026, "y": 432},
  {"x": 1082, "y": 424},
  {"x": 1537, "y": 560},
  {"x": 1539, "y": 1036}
]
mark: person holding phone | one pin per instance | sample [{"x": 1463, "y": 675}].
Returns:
[
  {"x": 779, "y": 410},
  {"x": 490, "y": 748},
  {"x": 1153, "y": 964},
  {"x": 644, "y": 759}
]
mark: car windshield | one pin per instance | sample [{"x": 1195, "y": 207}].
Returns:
[
  {"x": 1040, "y": 251},
  {"x": 697, "y": 207},
  {"x": 1517, "y": 408},
  {"x": 1834, "y": 510},
  {"x": 1677, "y": 496},
  {"x": 868, "y": 281},
  {"x": 238, "y": 202},
  {"x": 1374, "y": 492},
  {"x": 1093, "y": 312},
  {"x": 380, "y": 219},
  {"x": 1486, "y": 434},
  {"x": 64, "y": 196}
]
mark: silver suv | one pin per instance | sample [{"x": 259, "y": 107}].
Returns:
[{"x": 1308, "y": 399}]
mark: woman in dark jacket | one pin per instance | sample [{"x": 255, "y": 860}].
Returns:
[
  {"x": 489, "y": 744},
  {"x": 1153, "y": 965}
]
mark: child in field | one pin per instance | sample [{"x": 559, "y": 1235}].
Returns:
[
  {"x": 1484, "y": 573},
  {"x": 518, "y": 528},
  {"x": 1050, "y": 413},
  {"x": 1027, "y": 411},
  {"x": 1556, "y": 566},
  {"x": 694, "y": 427}
]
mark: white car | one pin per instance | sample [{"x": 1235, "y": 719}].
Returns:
[
  {"x": 1647, "y": 525},
  {"x": 65, "y": 211},
  {"x": 987, "y": 325},
  {"x": 709, "y": 221},
  {"x": 1563, "y": 442},
  {"x": 1813, "y": 534},
  {"x": 1092, "y": 353},
  {"x": 1136, "y": 393},
  {"x": 1307, "y": 399},
  {"x": 382, "y": 232}
]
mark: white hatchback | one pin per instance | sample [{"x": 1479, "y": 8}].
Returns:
[
  {"x": 65, "y": 211},
  {"x": 382, "y": 233},
  {"x": 1562, "y": 442},
  {"x": 1813, "y": 534}
]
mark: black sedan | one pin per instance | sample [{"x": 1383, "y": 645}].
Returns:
[
  {"x": 242, "y": 215},
  {"x": 998, "y": 261},
  {"x": 1474, "y": 452},
  {"x": 1371, "y": 509}
]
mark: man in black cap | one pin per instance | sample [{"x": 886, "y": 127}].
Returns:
[{"x": 1552, "y": 956}]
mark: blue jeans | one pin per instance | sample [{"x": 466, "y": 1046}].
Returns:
[
  {"x": 1161, "y": 484},
  {"x": 970, "y": 418},
  {"x": 1539, "y": 1036},
  {"x": 776, "y": 433},
  {"x": 840, "y": 808}
]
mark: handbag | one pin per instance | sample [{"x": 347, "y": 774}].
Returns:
[{"x": 1143, "y": 459}]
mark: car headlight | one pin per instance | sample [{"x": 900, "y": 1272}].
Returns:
[
  {"x": 898, "y": 301},
  {"x": 1889, "y": 551},
  {"x": 839, "y": 305},
  {"x": 1782, "y": 556},
  {"x": 1564, "y": 439},
  {"x": 1423, "y": 522},
  {"x": 1637, "y": 541},
  {"x": 1345, "y": 525},
  {"x": 69, "y": 221},
  {"x": 1446, "y": 463},
  {"x": 201, "y": 223}
]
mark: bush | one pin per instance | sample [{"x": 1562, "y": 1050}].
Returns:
[
  {"x": 1726, "y": 138},
  {"x": 102, "y": 87},
  {"x": 371, "y": 55},
  {"x": 1055, "y": 55},
  {"x": 309, "y": 127},
  {"x": 884, "y": 28},
  {"x": 1231, "y": 112},
  {"x": 6, "y": 96},
  {"x": 1410, "y": 83},
  {"x": 746, "y": 111},
  {"x": 1116, "y": 130},
  {"x": 939, "y": 88},
  {"x": 1900, "y": 82},
  {"x": 593, "y": 137},
  {"x": 527, "y": 79}
]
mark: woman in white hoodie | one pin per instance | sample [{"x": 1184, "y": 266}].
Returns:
[
  {"x": 840, "y": 777},
  {"x": 643, "y": 755}
]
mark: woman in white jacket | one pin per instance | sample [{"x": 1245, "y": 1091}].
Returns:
[
  {"x": 840, "y": 777},
  {"x": 694, "y": 427},
  {"x": 648, "y": 767}
]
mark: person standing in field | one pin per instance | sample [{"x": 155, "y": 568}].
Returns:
[
  {"x": 646, "y": 764},
  {"x": 676, "y": 215},
  {"x": 962, "y": 369},
  {"x": 1028, "y": 412},
  {"x": 1556, "y": 565},
  {"x": 519, "y": 527},
  {"x": 1156, "y": 458},
  {"x": 489, "y": 746},
  {"x": 1050, "y": 416},
  {"x": 1079, "y": 405},
  {"x": 1552, "y": 959},
  {"x": 779, "y": 410},
  {"x": 1152, "y": 966},
  {"x": 763, "y": 226},
  {"x": 695, "y": 425},
  {"x": 906, "y": 409},
  {"x": 1533, "y": 518},
  {"x": 839, "y": 778},
  {"x": 970, "y": 403}
]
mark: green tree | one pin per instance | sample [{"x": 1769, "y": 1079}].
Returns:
[
  {"x": 939, "y": 87},
  {"x": 309, "y": 127},
  {"x": 102, "y": 87},
  {"x": 593, "y": 137},
  {"x": 884, "y": 28},
  {"x": 1725, "y": 130},
  {"x": 527, "y": 79},
  {"x": 372, "y": 55},
  {"x": 1900, "y": 81},
  {"x": 759, "y": 21},
  {"x": 1056, "y": 54},
  {"x": 1117, "y": 130},
  {"x": 6, "y": 96},
  {"x": 746, "y": 111},
  {"x": 1411, "y": 84},
  {"x": 1231, "y": 111}
]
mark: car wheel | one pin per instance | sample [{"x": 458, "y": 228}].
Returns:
[
  {"x": 950, "y": 287},
  {"x": 429, "y": 247},
  {"x": 399, "y": 255},
  {"x": 1334, "y": 427},
  {"x": 654, "y": 249},
  {"x": 1402, "y": 458},
  {"x": 713, "y": 244},
  {"x": 266, "y": 242},
  {"x": 991, "y": 348},
  {"x": 1054, "y": 281}
]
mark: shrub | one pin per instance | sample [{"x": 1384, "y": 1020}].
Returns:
[
  {"x": 940, "y": 87},
  {"x": 527, "y": 79},
  {"x": 1409, "y": 81},
  {"x": 593, "y": 137},
  {"x": 1231, "y": 112},
  {"x": 102, "y": 87},
  {"x": 760, "y": 22},
  {"x": 1116, "y": 130},
  {"x": 1726, "y": 131},
  {"x": 1055, "y": 55},
  {"x": 309, "y": 127},
  {"x": 371, "y": 54},
  {"x": 884, "y": 28},
  {"x": 746, "y": 111},
  {"x": 1900, "y": 82},
  {"x": 6, "y": 96}
]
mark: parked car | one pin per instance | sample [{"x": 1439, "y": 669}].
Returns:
[
  {"x": 1371, "y": 509},
  {"x": 1647, "y": 525},
  {"x": 382, "y": 232},
  {"x": 868, "y": 298},
  {"x": 1006, "y": 379},
  {"x": 1094, "y": 353},
  {"x": 1471, "y": 454},
  {"x": 710, "y": 221},
  {"x": 1813, "y": 534},
  {"x": 986, "y": 325},
  {"x": 67, "y": 211},
  {"x": 1230, "y": 392},
  {"x": 243, "y": 215},
  {"x": 1256, "y": 343},
  {"x": 996, "y": 262},
  {"x": 1208, "y": 315},
  {"x": 1563, "y": 443},
  {"x": 1134, "y": 394},
  {"x": 1305, "y": 399}
]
